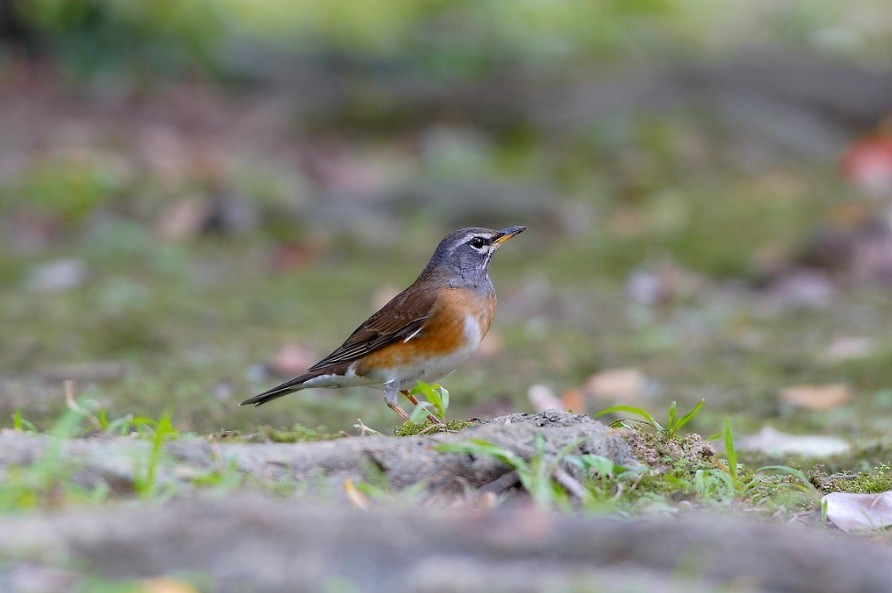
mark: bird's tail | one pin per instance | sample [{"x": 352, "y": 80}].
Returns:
[{"x": 277, "y": 391}]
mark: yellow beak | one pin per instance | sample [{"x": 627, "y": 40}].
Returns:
[{"x": 506, "y": 234}]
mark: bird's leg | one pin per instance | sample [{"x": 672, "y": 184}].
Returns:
[
  {"x": 410, "y": 397},
  {"x": 414, "y": 401},
  {"x": 400, "y": 411},
  {"x": 390, "y": 393}
]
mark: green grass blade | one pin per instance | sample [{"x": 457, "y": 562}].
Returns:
[
  {"x": 689, "y": 416},
  {"x": 444, "y": 397},
  {"x": 790, "y": 471},
  {"x": 731, "y": 454},
  {"x": 670, "y": 422},
  {"x": 630, "y": 410},
  {"x": 482, "y": 447}
]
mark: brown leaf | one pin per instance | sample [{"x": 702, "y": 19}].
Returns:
[
  {"x": 164, "y": 585},
  {"x": 816, "y": 397},
  {"x": 574, "y": 401},
  {"x": 868, "y": 163},
  {"x": 618, "y": 385},
  {"x": 292, "y": 256},
  {"x": 292, "y": 359},
  {"x": 542, "y": 398}
]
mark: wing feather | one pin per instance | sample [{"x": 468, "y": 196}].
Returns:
[{"x": 403, "y": 316}]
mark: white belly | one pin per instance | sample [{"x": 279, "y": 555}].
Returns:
[{"x": 433, "y": 369}]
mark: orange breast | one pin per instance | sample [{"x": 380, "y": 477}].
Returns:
[{"x": 445, "y": 332}]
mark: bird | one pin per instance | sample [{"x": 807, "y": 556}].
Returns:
[{"x": 422, "y": 334}]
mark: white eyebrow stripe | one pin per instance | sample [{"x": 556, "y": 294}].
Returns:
[{"x": 482, "y": 249}]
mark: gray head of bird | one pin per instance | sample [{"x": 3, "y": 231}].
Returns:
[{"x": 468, "y": 251}]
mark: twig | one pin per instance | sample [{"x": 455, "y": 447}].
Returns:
[
  {"x": 571, "y": 484},
  {"x": 68, "y": 388},
  {"x": 501, "y": 483},
  {"x": 433, "y": 428},
  {"x": 363, "y": 429}
]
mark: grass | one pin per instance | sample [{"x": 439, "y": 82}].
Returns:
[
  {"x": 872, "y": 481},
  {"x": 47, "y": 483},
  {"x": 673, "y": 423},
  {"x": 735, "y": 356},
  {"x": 409, "y": 429},
  {"x": 666, "y": 479},
  {"x": 157, "y": 432},
  {"x": 678, "y": 469},
  {"x": 191, "y": 582},
  {"x": 50, "y": 481}
]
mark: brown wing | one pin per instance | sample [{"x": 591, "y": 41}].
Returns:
[{"x": 404, "y": 315}]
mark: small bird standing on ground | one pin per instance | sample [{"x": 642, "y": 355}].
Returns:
[{"x": 423, "y": 333}]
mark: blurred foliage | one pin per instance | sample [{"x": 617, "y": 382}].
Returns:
[
  {"x": 70, "y": 187},
  {"x": 450, "y": 38},
  {"x": 163, "y": 36}
]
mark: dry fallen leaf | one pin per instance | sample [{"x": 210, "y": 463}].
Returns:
[
  {"x": 292, "y": 256},
  {"x": 574, "y": 401},
  {"x": 816, "y": 397},
  {"x": 292, "y": 359},
  {"x": 543, "y": 398},
  {"x": 618, "y": 385},
  {"x": 164, "y": 585},
  {"x": 774, "y": 442},
  {"x": 868, "y": 163},
  {"x": 851, "y": 347},
  {"x": 859, "y": 512}
]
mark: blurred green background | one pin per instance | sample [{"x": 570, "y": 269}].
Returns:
[{"x": 198, "y": 198}]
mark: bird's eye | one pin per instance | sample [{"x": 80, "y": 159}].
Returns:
[{"x": 477, "y": 242}]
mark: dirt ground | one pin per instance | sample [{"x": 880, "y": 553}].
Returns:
[{"x": 448, "y": 539}]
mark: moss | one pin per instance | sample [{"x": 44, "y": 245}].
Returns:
[
  {"x": 296, "y": 434},
  {"x": 687, "y": 469},
  {"x": 409, "y": 429},
  {"x": 227, "y": 436},
  {"x": 879, "y": 479}
]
